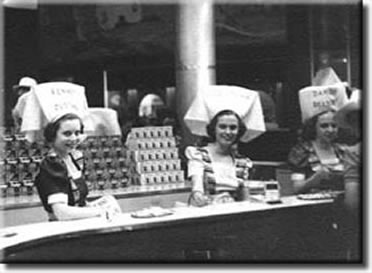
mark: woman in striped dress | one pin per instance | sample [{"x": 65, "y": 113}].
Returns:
[{"x": 217, "y": 168}]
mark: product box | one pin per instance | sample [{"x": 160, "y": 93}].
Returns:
[
  {"x": 138, "y": 155},
  {"x": 153, "y": 178},
  {"x": 168, "y": 131},
  {"x": 144, "y": 179},
  {"x": 180, "y": 176},
  {"x": 136, "y": 133},
  {"x": 152, "y": 154},
  {"x": 175, "y": 164},
  {"x": 124, "y": 181}
]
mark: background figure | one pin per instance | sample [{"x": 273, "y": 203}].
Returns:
[
  {"x": 22, "y": 88},
  {"x": 350, "y": 117},
  {"x": 60, "y": 181},
  {"x": 317, "y": 158},
  {"x": 216, "y": 168},
  {"x": 148, "y": 110}
]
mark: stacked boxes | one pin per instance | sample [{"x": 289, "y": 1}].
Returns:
[
  {"x": 19, "y": 164},
  {"x": 153, "y": 156},
  {"x": 105, "y": 162}
]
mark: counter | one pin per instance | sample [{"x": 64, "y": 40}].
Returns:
[
  {"x": 248, "y": 231},
  {"x": 20, "y": 210}
]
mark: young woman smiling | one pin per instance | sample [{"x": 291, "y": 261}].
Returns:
[
  {"x": 318, "y": 157},
  {"x": 216, "y": 168},
  {"x": 60, "y": 182}
]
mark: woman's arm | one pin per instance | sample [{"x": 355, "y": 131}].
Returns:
[
  {"x": 306, "y": 184},
  {"x": 298, "y": 159},
  {"x": 195, "y": 167},
  {"x": 65, "y": 212},
  {"x": 197, "y": 196},
  {"x": 352, "y": 178}
]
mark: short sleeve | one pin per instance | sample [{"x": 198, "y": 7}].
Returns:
[
  {"x": 51, "y": 179},
  {"x": 298, "y": 157},
  {"x": 352, "y": 163},
  {"x": 195, "y": 165}
]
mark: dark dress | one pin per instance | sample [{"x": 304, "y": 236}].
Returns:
[
  {"x": 303, "y": 158},
  {"x": 53, "y": 178}
]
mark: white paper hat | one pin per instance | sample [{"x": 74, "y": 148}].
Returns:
[
  {"x": 317, "y": 99},
  {"x": 353, "y": 104},
  {"x": 325, "y": 76},
  {"x": 105, "y": 122},
  {"x": 49, "y": 101},
  {"x": 25, "y": 82},
  {"x": 215, "y": 98}
]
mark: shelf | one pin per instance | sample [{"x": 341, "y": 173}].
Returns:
[{"x": 27, "y": 201}]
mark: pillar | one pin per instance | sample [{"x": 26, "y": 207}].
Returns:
[{"x": 195, "y": 56}]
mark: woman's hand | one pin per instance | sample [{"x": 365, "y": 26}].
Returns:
[
  {"x": 199, "y": 199},
  {"x": 323, "y": 174}
]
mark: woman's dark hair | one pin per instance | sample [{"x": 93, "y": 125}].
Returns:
[
  {"x": 50, "y": 131},
  {"x": 211, "y": 127},
  {"x": 309, "y": 128}
]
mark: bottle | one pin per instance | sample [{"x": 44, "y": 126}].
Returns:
[{"x": 243, "y": 191}]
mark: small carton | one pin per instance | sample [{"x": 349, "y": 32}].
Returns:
[{"x": 168, "y": 131}]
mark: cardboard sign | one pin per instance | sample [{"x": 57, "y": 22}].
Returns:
[
  {"x": 317, "y": 99},
  {"x": 59, "y": 98}
]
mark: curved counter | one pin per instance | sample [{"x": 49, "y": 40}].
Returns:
[{"x": 248, "y": 231}]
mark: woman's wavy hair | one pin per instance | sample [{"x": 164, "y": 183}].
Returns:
[
  {"x": 211, "y": 127},
  {"x": 308, "y": 131},
  {"x": 50, "y": 131}
]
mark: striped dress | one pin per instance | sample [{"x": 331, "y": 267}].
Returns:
[{"x": 216, "y": 178}]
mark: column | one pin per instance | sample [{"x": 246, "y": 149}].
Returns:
[{"x": 195, "y": 56}]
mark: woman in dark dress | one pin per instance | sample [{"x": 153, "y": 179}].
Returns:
[{"x": 60, "y": 181}]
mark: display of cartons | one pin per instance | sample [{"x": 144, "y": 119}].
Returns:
[{"x": 153, "y": 156}]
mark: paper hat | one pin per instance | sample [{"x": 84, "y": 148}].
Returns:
[
  {"x": 354, "y": 104},
  {"x": 215, "y": 98},
  {"x": 325, "y": 76},
  {"x": 49, "y": 101},
  {"x": 25, "y": 82},
  {"x": 317, "y": 99},
  {"x": 146, "y": 105},
  {"x": 105, "y": 122}
]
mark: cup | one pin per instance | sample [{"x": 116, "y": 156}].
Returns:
[
  {"x": 297, "y": 177},
  {"x": 243, "y": 192}
]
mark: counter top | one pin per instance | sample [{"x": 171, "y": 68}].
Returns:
[
  {"x": 34, "y": 234},
  {"x": 14, "y": 202}
]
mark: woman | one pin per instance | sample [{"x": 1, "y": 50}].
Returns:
[
  {"x": 23, "y": 92},
  {"x": 317, "y": 158},
  {"x": 216, "y": 168},
  {"x": 350, "y": 117},
  {"x": 60, "y": 182}
]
